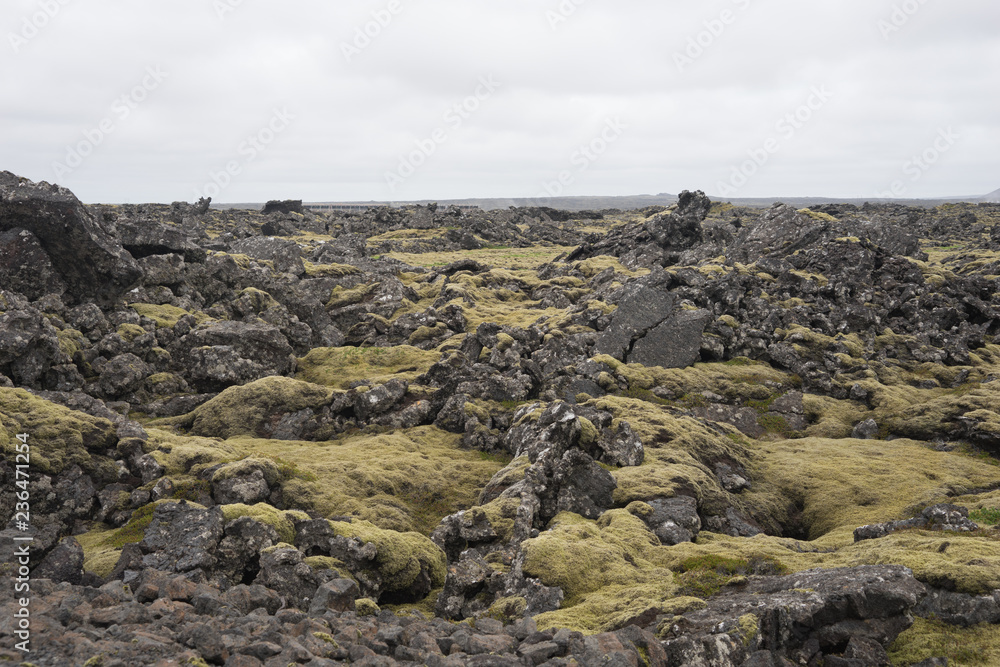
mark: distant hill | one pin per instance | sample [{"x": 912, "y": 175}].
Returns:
[{"x": 992, "y": 198}]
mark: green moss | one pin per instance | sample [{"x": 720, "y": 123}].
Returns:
[
  {"x": 182, "y": 455},
  {"x": 129, "y": 332},
  {"x": 927, "y": 638},
  {"x": 283, "y": 522},
  {"x": 339, "y": 367},
  {"x": 71, "y": 341},
  {"x": 346, "y": 296},
  {"x": 399, "y": 556},
  {"x": 749, "y": 626},
  {"x": 248, "y": 466},
  {"x": 329, "y": 270},
  {"x": 319, "y": 563},
  {"x": 58, "y": 437},
  {"x": 244, "y": 410},
  {"x": 165, "y": 316},
  {"x": 610, "y": 570},
  {"x": 987, "y": 515},
  {"x": 842, "y": 484},
  {"x": 401, "y": 480},
  {"x": 703, "y": 576},
  {"x": 322, "y": 636},
  {"x": 366, "y": 607},
  {"x": 508, "y": 609},
  {"x": 816, "y": 215}
]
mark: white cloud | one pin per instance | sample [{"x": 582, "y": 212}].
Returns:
[{"x": 354, "y": 118}]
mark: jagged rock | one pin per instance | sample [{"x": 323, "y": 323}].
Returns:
[
  {"x": 29, "y": 346},
  {"x": 146, "y": 238},
  {"x": 64, "y": 563},
  {"x": 182, "y": 538},
  {"x": 380, "y": 399},
  {"x": 25, "y": 267},
  {"x": 91, "y": 262},
  {"x": 227, "y": 353},
  {"x": 337, "y": 595},
  {"x": 286, "y": 255},
  {"x": 673, "y": 520},
  {"x": 283, "y": 571},
  {"x": 249, "y": 488},
  {"x": 780, "y": 232},
  {"x": 936, "y": 517},
  {"x": 800, "y": 616},
  {"x": 287, "y": 206},
  {"x": 123, "y": 374},
  {"x": 865, "y": 430}
]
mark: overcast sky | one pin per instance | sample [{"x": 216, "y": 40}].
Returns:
[{"x": 246, "y": 100}]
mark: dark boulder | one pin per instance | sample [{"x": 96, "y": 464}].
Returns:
[
  {"x": 90, "y": 260},
  {"x": 228, "y": 353}
]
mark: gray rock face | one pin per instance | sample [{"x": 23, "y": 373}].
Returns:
[
  {"x": 286, "y": 255},
  {"x": 248, "y": 489},
  {"x": 227, "y": 353},
  {"x": 283, "y": 570},
  {"x": 123, "y": 374},
  {"x": 799, "y": 617},
  {"x": 64, "y": 563},
  {"x": 239, "y": 551},
  {"x": 28, "y": 344},
  {"x": 91, "y": 262},
  {"x": 337, "y": 595},
  {"x": 674, "y": 520},
  {"x": 182, "y": 538},
  {"x": 642, "y": 307},
  {"x": 25, "y": 267},
  {"x": 650, "y": 328},
  {"x": 145, "y": 238},
  {"x": 673, "y": 343},
  {"x": 779, "y": 233}
]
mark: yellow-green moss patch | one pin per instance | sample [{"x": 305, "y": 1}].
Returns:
[{"x": 339, "y": 367}]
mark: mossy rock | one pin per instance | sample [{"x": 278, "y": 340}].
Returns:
[
  {"x": 244, "y": 409},
  {"x": 58, "y": 437},
  {"x": 165, "y": 316},
  {"x": 102, "y": 547},
  {"x": 366, "y": 607},
  {"x": 340, "y": 367},
  {"x": 610, "y": 570},
  {"x": 129, "y": 332},
  {"x": 283, "y": 521},
  {"x": 400, "y": 557}
]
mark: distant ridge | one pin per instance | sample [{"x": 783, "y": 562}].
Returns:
[
  {"x": 627, "y": 202},
  {"x": 992, "y": 198}
]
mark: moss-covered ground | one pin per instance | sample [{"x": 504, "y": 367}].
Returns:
[{"x": 810, "y": 487}]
